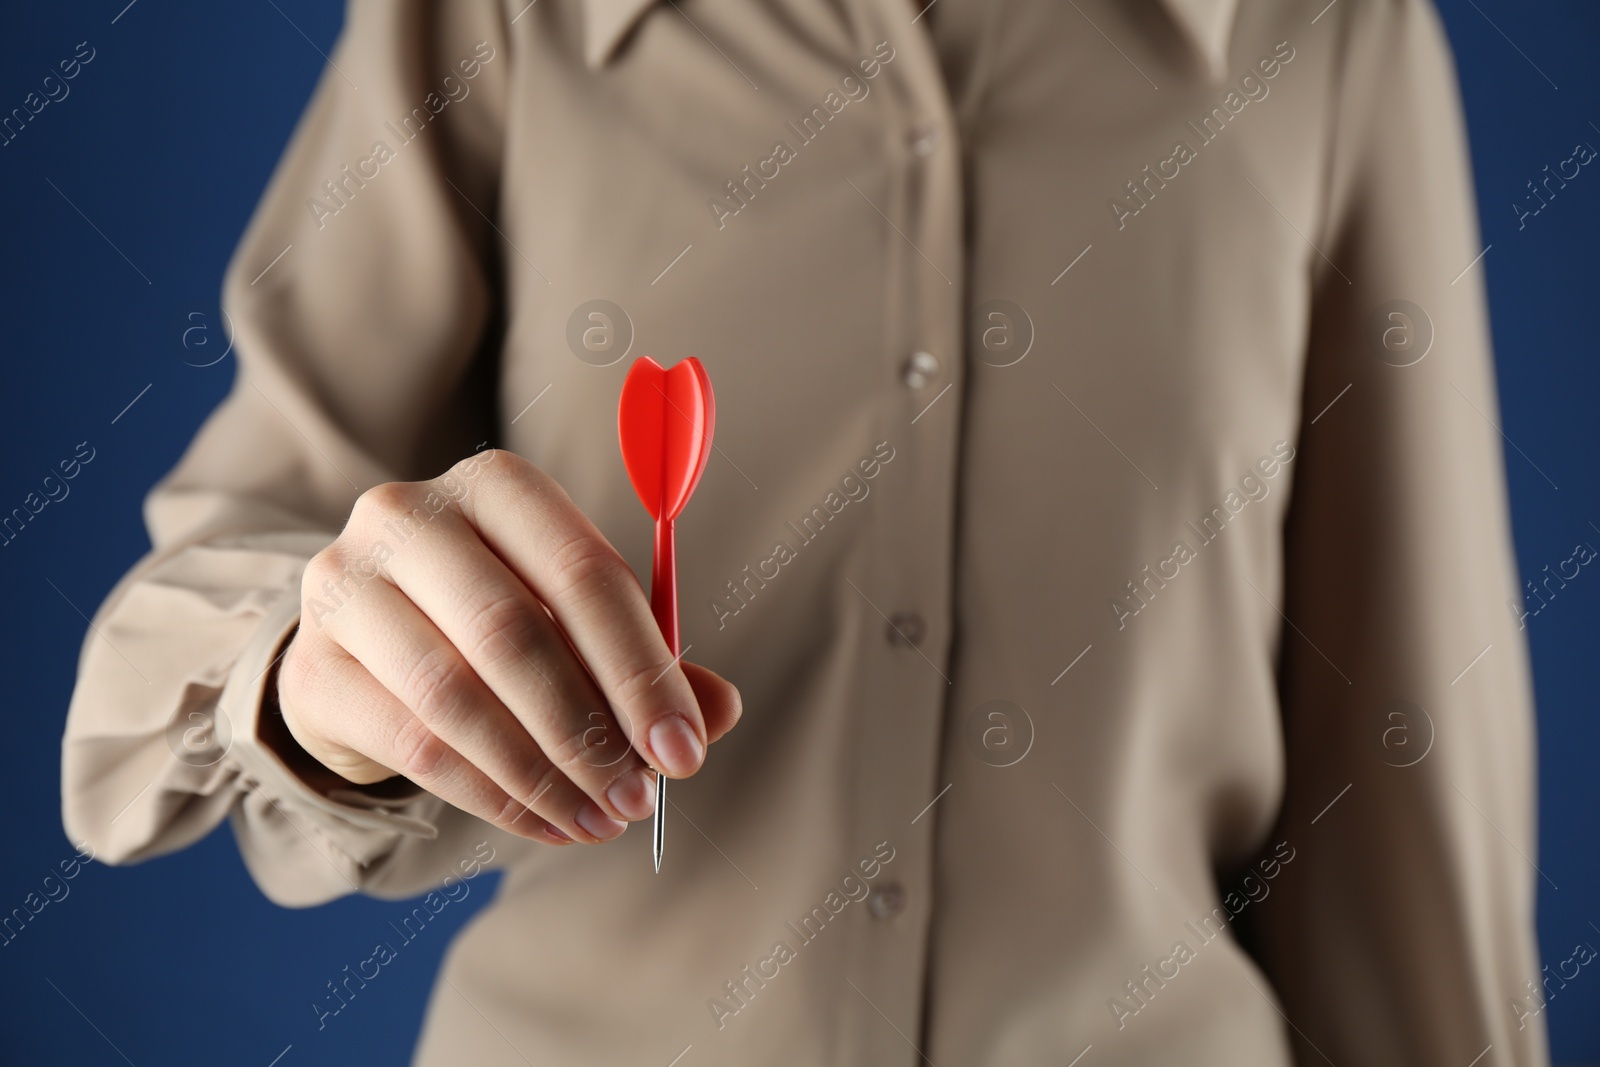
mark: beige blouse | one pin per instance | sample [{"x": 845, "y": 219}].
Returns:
[{"x": 1106, "y": 528}]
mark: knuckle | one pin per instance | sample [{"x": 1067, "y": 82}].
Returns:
[
  {"x": 438, "y": 688},
  {"x": 470, "y": 466},
  {"x": 511, "y": 810},
  {"x": 320, "y": 568},
  {"x": 585, "y": 565},
  {"x": 507, "y": 462},
  {"x": 641, "y": 680},
  {"x": 298, "y": 679},
  {"x": 500, "y": 469},
  {"x": 506, "y": 627},
  {"x": 467, "y": 465},
  {"x": 419, "y": 751},
  {"x": 493, "y": 456},
  {"x": 575, "y": 749},
  {"x": 539, "y": 780},
  {"x": 295, "y": 670},
  {"x": 383, "y": 501}
]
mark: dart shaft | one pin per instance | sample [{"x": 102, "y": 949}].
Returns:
[
  {"x": 664, "y": 585},
  {"x": 664, "y": 606}
]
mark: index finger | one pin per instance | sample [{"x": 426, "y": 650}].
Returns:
[{"x": 527, "y": 519}]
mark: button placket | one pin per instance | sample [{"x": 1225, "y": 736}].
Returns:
[{"x": 908, "y": 577}]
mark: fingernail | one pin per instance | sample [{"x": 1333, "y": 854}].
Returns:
[
  {"x": 676, "y": 746},
  {"x": 634, "y": 794},
  {"x": 555, "y": 831},
  {"x": 598, "y": 823}
]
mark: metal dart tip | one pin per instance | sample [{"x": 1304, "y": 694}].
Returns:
[{"x": 660, "y": 823}]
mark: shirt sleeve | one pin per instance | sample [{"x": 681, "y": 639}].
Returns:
[
  {"x": 1403, "y": 932},
  {"x": 364, "y": 314}
]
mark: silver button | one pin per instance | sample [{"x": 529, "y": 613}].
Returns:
[
  {"x": 905, "y": 630},
  {"x": 924, "y": 138},
  {"x": 886, "y": 901},
  {"x": 919, "y": 369}
]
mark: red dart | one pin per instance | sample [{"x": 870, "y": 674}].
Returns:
[{"x": 665, "y": 420}]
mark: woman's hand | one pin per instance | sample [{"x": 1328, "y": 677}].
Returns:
[{"x": 478, "y": 635}]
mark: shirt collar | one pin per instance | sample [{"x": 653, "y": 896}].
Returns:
[{"x": 1206, "y": 26}]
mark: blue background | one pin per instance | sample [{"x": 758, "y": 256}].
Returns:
[{"x": 166, "y": 142}]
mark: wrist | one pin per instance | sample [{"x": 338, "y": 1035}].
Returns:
[{"x": 274, "y": 733}]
